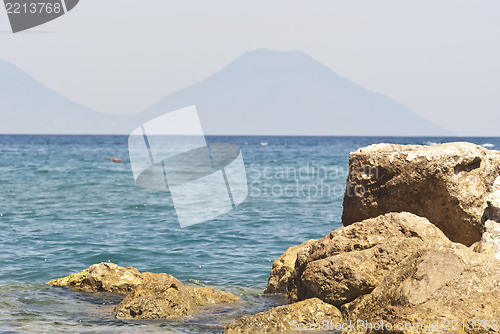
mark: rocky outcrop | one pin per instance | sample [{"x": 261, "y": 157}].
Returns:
[
  {"x": 402, "y": 268},
  {"x": 352, "y": 260},
  {"x": 397, "y": 268},
  {"x": 283, "y": 268},
  {"x": 445, "y": 285},
  {"x": 447, "y": 184},
  {"x": 149, "y": 295},
  {"x": 306, "y": 315},
  {"x": 103, "y": 277}
]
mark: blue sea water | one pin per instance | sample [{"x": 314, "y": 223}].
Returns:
[{"x": 64, "y": 206}]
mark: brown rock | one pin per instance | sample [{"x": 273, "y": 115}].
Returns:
[
  {"x": 103, "y": 277},
  {"x": 288, "y": 318},
  {"x": 447, "y": 184},
  {"x": 342, "y": 278},
  {"x": 283, "y": 267},
  {"x": 375, "y": 245},
  {"x": 161, "y": 297},
  {"x": 447, "y": 285}
]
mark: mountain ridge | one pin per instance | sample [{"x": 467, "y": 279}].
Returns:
[{"x": 262, "y": 92}]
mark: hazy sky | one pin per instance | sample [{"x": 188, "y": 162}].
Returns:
[{"x": 439, "y": 58}]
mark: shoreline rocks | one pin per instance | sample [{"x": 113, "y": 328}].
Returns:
[
  {"x": 393, "y": 261},
  {"x": 148, "y": 295},
  {"x": 161, "y": 297}
]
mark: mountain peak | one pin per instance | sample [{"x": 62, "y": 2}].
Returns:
[
  {"x": 270, "y": 92},
  {"x": 264, "y": 65}
]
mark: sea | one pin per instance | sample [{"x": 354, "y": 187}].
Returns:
[{"x": 65, "y": 206}]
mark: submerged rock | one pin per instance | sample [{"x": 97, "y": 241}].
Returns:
[
  {"x": 448, "y": 184},
  {"x": 149, "y": 295},
  {"x": 283, "y": 267},
  {"x": 352, "y": 260},
  {"x": 306, "y": 315},
  {"x": 161, "y": 297},
  {"x": 208, "y": 296}
]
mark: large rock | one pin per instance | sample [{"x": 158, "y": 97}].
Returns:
[
  {"x": 351, "y": 261},
  {"x": 103, "y": 277},
  {"x": 283, "y": 267},
  {"x": 445, "y": 285},
  {"x": 302, "y": 315},
  {"x": 448, "y": 184}
]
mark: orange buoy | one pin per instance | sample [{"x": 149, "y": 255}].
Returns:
[{"x": 115, "y": 159}]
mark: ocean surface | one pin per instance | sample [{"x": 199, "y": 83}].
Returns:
[{"x": 64, "y": 206}]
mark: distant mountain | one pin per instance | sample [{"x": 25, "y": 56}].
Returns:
[
  {"x": 263, "y": 92},
  {"x": 27, "y": 106},
  {"x": 266, "y": 92}
]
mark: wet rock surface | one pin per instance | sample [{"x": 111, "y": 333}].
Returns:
[{"x": 149, "y": 295}]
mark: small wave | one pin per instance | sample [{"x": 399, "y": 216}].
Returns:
[
  {"x": 430, "y": 143},
  {"x": 488, "y": 145},
  {"x": 264, "y": 143}
]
